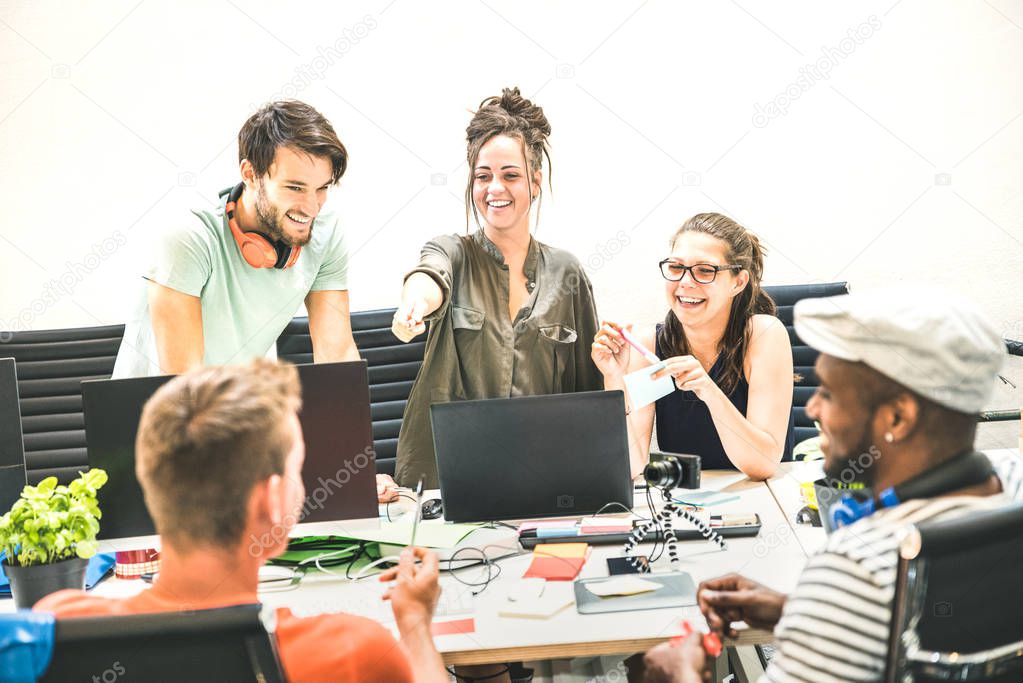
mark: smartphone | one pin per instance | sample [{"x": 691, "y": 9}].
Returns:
[{"x": 621, "y": 565}]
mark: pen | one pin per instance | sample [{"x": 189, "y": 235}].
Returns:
[
  {"x": 650, "y": 356},
  {"x": 418, "y": 512}
]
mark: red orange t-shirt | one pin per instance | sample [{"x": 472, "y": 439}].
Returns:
[{"x": 328, "y": 647}]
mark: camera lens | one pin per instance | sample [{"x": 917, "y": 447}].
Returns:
[{"x": 663, "y": 474}]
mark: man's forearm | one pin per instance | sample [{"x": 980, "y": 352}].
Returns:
[
  {"x": 426, "y": 661},
  {"x": 336, "y": 353},
  {"x": 177, "y": 329},
  {"x": 177, "y": 355}
]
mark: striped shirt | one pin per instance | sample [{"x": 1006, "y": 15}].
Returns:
[{"x": 836, "y": 623}]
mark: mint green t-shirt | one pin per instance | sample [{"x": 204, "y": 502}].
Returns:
[{"x": 244, "y": 309}]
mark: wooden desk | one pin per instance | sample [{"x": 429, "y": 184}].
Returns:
[
  {"x": 784, "y": 486},
  {"x": 774, "y": 558}
]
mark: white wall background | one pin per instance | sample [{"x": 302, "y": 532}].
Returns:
[{"x": 901, "y": 162}]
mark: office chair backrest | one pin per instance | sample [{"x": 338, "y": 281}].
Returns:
[
  {"x": 393, "y": 367},
  {"x": 50, "y": 367},
  {"x": 12, "y": 448},
  {"x": 217, "y": 645},
  {"x": 803, "y": 357},
  {"x": 958, "y": 591}
]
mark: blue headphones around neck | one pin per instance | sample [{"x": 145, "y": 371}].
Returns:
[{"x": 961, "y": 471}]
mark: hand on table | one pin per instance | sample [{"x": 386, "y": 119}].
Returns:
[
  {"x": 732, "y": 598},
  {"x": 387, "y": 490},
  {"x": 415, "y": 591}
]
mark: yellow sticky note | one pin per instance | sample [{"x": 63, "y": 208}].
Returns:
[{"x": 561, "y": 550}]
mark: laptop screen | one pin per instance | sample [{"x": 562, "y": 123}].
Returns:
[
  {"x": 532, "y": 456},
  {"x": 339, "y": 471}
]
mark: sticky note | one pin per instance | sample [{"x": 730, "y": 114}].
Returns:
[
  {"x": 643, "y": 390},
  {"x": 536, "y": 608},
  {"x": 561, "y": 550},
  {"x": 703, "y": 498},
  {"x": 447, "y": 628},
  {"x": 557, "y": 561},
  {"x": 605, "y": 525},
  {"x": 558, "y": 524}
]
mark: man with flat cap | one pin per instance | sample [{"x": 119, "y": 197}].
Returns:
[{"x": 903, "y": 375}]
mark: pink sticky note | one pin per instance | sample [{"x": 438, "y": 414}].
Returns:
[{"x": 448, "y": 628}]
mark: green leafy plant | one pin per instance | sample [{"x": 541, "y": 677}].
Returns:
[{"x": 50, "y": 523}]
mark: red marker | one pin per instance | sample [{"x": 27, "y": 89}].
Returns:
[
  {"x": 711, "y": 641},
  {"x": 712, "y": 644}
]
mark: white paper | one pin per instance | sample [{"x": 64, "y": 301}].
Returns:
[
  {"x": 643, "y": 390},
  {"x": 622, "y": 585}
]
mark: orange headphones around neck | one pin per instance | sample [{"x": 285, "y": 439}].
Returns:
[{"x": 256, "y": 249}]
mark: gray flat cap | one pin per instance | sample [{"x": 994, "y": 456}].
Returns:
[{"x": 932, "y": 342}]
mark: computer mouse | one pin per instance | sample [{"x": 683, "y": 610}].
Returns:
[{"x": 433, "y": 508}]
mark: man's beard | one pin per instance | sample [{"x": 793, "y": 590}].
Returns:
[
  {"x": 850, "y": 467},
  {"x": 270, "y": 218}
]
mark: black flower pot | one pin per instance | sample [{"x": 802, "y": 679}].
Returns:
[{"x": 30, "y": 584}]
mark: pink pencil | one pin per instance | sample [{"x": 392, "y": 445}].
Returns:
[{"x": 650, "y": 356}]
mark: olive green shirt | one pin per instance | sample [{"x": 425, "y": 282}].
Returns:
[{"x": 474, "y": 351}]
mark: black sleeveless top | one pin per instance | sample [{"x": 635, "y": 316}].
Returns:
[{"x": 684, "y": 424}]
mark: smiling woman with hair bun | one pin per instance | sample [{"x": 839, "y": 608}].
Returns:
[{"x": 509, "y": 316}]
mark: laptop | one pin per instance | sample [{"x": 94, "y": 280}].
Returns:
[
  {"x": 557, "y": 455},
  {"x": 339, "y": 471}
]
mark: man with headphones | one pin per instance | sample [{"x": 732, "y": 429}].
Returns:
[
  {"x": 903, "y": 375},
  {"x": 222, "y": 287}
]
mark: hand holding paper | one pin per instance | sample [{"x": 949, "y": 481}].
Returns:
[{"x": 643, "y": 390}]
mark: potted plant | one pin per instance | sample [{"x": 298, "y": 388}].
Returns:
[{"x": 48, "y": 536}]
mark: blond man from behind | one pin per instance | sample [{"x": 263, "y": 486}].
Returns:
[{"x": 219, "y": 457}]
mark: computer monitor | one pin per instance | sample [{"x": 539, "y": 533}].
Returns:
[
  {"x": 532, "y": 456},
  {"x": 340, "y": 464}
]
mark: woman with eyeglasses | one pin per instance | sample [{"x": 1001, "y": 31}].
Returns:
[{"x": 728, "y": 355}]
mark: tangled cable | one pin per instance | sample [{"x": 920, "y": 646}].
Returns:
[{"x": 664, "y": 519}]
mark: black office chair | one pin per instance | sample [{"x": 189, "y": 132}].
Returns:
[
  {"x": 958, "y": 608},
  {"x": 51, "y": 365},
  {"x": 226, "y": 644},
  {"x": 393, "y": 367},
  {"x": 1015, "y": 348},
  {"x": 12, "y": 447},
  {"x": 803, "y": 357}
]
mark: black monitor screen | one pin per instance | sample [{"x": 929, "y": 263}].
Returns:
[{"x": 340, "y": 466}]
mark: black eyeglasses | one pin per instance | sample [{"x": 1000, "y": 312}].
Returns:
[{"x": 704, "y": 273}]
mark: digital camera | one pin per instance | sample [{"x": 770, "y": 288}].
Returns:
[{"x": 672, "y": 470}]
